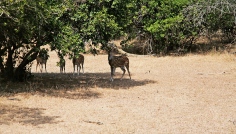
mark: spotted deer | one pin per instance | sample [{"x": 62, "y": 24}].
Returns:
[
  {"x": 40, "y": 62},
  {"x": 62, "y": 64},
  {"x": 117, "y": 61},
  {"x": 78, "y": 61}
]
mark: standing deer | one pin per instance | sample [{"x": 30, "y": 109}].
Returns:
[
  {"x": 118, "y": 61},
  {"x": 41, "y": 61},
  {"x": 78, "y": 61},
  {"x": 62, "y": 64}
]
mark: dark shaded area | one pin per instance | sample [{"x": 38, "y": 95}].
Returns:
[
  {"x": 70, "y": 86},
  {"x": 26, "y": 116}
]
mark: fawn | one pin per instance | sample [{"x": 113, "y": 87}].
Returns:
[
  {"x": 118, "y": 61},
  {"x": 78, "y": 61}
]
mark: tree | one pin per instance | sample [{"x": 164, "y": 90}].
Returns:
[
  {"x": 93, "y": 20},
  {"x": 212, "y": 16},
  {"x": 167, "y": 25},
  {"x": 26, "y": 26},
  {"x": 157, "y": 24}
]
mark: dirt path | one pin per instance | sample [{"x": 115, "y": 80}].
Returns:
[{"x": 191, "y": 94}]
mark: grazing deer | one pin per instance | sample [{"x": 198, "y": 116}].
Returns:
[
  {"x": 62, "y": 64},
  {"x": 41, "y": 61},
  {"x": 118, "y": 61},
  {"x": 78, "y": 61}
]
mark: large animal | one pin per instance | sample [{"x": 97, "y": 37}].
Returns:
[
  {"x": 79, "y": 62},
  {"x": 62, "y": 65},
  {"x": 117, "y": 61},
  {"x": 42, "y": 59}
]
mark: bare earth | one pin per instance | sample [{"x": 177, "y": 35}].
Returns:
[{"x": 191, "y": 94}]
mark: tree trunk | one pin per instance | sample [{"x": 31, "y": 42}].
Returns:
[
  {"x": 9, "y": 70},
  {"x": 20, "y": 73}
]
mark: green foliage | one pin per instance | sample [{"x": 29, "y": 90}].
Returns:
[
  {"x": 25, "y": 26},
  {"x": 92, "y": 20},
  {"x": 28, "y": 25},
  {"x": 162, "y": 20},
  {"x": 163, "y": 25},
  {"x": 212, "y": 15}
]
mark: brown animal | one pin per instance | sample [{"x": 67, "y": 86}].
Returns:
[
  {"x": 62, "y": 65},
  {"x": 41, "y": 61},
  {"x": 118, "y": 61},
  {"x": 78, "y": 61}
]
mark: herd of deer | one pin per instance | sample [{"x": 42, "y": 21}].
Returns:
[{"x": 121, "y": 61}]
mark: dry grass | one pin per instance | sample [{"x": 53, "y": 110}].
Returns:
[{"x": 190, "y": 94}]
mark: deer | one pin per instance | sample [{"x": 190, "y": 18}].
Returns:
[
  {"x": 78, "y": 61},
  {"x": 62, "y": 64},
  {"x": 41, "y": 61},
  {"x": 121, "y": 61}
]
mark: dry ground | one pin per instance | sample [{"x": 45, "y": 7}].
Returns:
[{"x": 190, "y": 94}]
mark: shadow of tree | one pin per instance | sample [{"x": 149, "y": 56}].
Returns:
[
  {"x": 72, "y": 86},
  {"x": 23, "y": 115},
  {"x": 102, "y": 80}
]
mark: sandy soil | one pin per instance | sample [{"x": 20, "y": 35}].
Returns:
[{"x": 190, "y": 94}]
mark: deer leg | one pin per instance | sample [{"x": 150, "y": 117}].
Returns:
[
  {"x": 79, "y": 69},
  {"x": 127, "y": 67},
  {"x": 112, "y": 73},
  {"x": 45, "y": 67},
  {"x": 123, "y": 69},
  {"x": 41, "y": 68},
  {"x": 82, "y": 67},
  {"x": 129, "y": 75}
]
